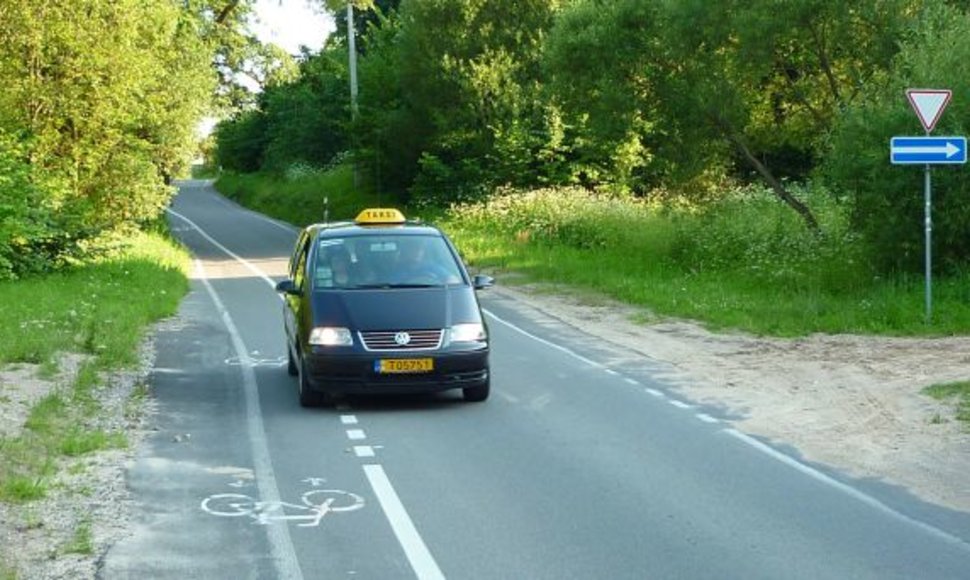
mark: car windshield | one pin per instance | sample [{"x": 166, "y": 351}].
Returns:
[{"x": 385, "y": 261}]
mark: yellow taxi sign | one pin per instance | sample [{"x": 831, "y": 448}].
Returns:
[{"x": 380, "y": 215}]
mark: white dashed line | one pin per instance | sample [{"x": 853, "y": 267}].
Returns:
[
  {"x": 632, "y": 382},
  {"x": 655, "y": 393},
  {"x": 707, "y": 418},
  {"x": 363, "y": 451},
  {"x": 356, "y": 434},
  {"x": 348, "y": 419},
  {"x": 612, "y": 372},
  {"x": 679, "y": 404},
  {"x": 849, "y": 490}
]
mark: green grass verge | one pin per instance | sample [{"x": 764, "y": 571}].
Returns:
[
  {"x": 745, "y": 263},
  {"x": 959, "y": 393},
  {"x": 100, "y": 310},
  {"x": 300, "y": 199}
]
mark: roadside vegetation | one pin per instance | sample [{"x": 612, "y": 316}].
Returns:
[
  {"x": 958, "y": 393},
  {"x": 724, "y": 163},
  {"x": 100, "y": 311}
]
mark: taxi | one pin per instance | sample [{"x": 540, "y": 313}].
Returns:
[{"x": 382, "y": 305}]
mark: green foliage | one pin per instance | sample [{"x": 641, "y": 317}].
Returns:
[
  {"x": 306, "y": 119},
  {"x": 301, "y": 198},
  {"x": 241, "y": 142},
  {"x": 108, "y": 95},
  {"x": 958, "y": 392},
  {"x": 96, "y": 308},
  {"x": 745, "y": 263},
  {"x": 888, "y": 200},
  {"x": 464, "y": 84},
  {"x": 27, "y": 211}
]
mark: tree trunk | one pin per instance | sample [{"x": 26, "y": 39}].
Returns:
[{"x": 776, "y": 186}]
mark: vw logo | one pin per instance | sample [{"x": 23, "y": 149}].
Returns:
[{"x": 402, "y": 338}]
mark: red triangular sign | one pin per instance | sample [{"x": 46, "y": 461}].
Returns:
[{"x": 929, "y": 105}]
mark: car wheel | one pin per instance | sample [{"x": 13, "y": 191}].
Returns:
[
  {"x": 308, "y": 397},
  {"x": 290, "y": 363},
  {"x": 479, "y": 393}
]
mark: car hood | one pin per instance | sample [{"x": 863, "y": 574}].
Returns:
[{"x": 396, "y": 308}]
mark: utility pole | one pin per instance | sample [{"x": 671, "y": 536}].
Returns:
[{"x": 352, "y": 50}]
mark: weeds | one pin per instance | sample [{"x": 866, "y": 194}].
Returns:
[
  {"x": 83, "y": 541},
  {"x": 958, "y": 393}
]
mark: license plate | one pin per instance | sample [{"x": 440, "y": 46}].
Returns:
[{"x": 404, "y": 365}]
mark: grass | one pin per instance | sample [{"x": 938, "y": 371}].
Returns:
[
  {"x": 959, "y": 393},
  {"x": 745, "y": 264},
  {"x": 83, "y": 540},
  {"x": 100, "y": 309},
  {"x": 300, "y": 199}
]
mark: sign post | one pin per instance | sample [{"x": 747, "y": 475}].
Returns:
[{"x": 929, "y": 105}]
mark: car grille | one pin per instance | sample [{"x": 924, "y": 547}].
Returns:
[{"x": 402, "y": 340}]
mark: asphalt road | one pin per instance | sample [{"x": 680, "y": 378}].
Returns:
[{"x": 582, "y": 464}]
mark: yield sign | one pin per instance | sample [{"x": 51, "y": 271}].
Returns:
[{"x": 929, "y": 105}]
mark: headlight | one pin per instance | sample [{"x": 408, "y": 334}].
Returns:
[
  {"x": 331, "y": 336},
  {"x": 468, "y": 333}
]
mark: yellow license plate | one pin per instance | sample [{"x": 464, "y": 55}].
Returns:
[{"x": 405, "y": 365}]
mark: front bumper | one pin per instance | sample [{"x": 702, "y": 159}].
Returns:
[{"x": 354, "y": 373}]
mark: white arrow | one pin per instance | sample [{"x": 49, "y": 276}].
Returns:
[{"x": 950, "y": 150}]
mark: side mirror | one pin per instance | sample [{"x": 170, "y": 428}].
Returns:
[
  {"x": 288, "y": 287},
  {"x": 481, "y": 282}
]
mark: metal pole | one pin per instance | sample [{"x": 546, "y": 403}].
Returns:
[
  {"x": 352, "y": 50},
  {"x": 928, "y": 197}
]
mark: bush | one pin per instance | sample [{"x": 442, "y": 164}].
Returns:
[
  {"x": 888, "y": 200},
  {"x": 28, "y": 231}
]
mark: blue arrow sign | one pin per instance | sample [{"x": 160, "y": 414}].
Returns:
[{"x": 927, "y": 150}]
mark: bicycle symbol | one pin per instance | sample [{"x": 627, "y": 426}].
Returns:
[{"x": 316, "y": 504}]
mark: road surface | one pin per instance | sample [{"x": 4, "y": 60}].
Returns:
[{"x": 582, "y": 464}]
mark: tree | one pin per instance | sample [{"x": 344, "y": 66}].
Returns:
[
  {"x": 887, "y": 201},
  {"x": 107, "y": 95}
]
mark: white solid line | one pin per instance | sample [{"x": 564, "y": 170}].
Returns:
[
  {"x": 280, "y": 543},
  {"x": 363, "y": 451},
  {"x": 422, "y": 562},
  {"x": 847, "y": 489},
  {"x": 655, "y": 393},
  {"x": 679, "y": 404},
  {"x": 707, "y": 418},
  {"x": 252, "y": 268},
  {"x": 348, "y": 419},
  {"x": 544, "y": 341},
  {"x": 356, "y": 434}
]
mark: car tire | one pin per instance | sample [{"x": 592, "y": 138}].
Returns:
[
  {"x": 308, "y": 397},
  {"x": 290, "y": 362},
  {"x": 477, "y": 394}
]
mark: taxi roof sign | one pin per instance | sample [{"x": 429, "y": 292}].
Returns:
[{"x": 380, "y": 215}]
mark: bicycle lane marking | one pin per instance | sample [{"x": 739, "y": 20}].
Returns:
[
  {"x": 422, "y": 562},
  {"x": 310, "y": 513},
  {"x": 281, "y": 545}
]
